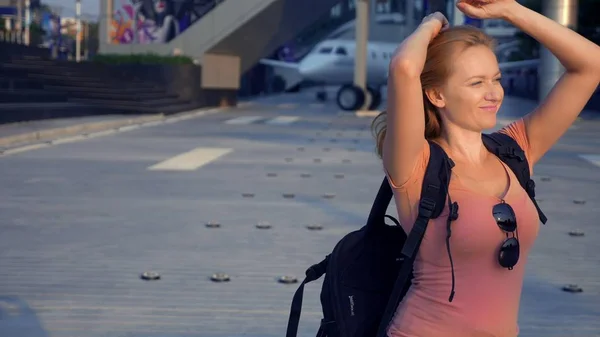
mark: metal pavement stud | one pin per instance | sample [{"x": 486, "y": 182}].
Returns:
[
  {"x": 248, "y": 195},
  {"x": 219, "y": 277},
  {"x": 213, "y": 224},
  {"x": 150, "y": 276},
  {"x": 576, "y": 233},
  {"x": 314, "y": 227},
  {"x": 305, "y": 175},
  {"x": 572, "y": 288},
  {"x": 287, "y": 279},
  {"x": 546, "y": 179},
  {"x": 329, "y": 195},
  {"x": 289, "y": 195},
  {"x": 271, "y": 174},
  {"x": 339, "y": 176},
  {"x": 263, "y": 225},
  {"x": 579, "y": 202}
]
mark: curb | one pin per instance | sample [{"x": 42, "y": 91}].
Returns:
[
  {"x": 48, "y": 134},
  {"x": 84, "y": 128}
]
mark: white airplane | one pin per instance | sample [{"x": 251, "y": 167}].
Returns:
[{"x": 332, "y": 62}]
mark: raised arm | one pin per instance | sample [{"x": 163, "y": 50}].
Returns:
[
  {"x": 580, "y": 57},
  {"x": 405, "y": 134}
]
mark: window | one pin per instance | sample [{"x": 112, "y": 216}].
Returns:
[
  {"x": 325, "y": 50},
  {"x": 341, "y": 51}
]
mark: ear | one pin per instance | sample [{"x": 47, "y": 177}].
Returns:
[{"x": 435, "y": 97}]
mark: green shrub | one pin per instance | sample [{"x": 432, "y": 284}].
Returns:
[{"x": 148, "y": 58}]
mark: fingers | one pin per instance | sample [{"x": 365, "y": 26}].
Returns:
[{"x": 471, "y": 10}]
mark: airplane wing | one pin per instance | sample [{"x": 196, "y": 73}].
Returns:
[{"x": 275, "y": 63}]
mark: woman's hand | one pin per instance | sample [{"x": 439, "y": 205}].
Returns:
[
  {"x": 487, "y": 9},
  {"x": 437, "y": 22}
]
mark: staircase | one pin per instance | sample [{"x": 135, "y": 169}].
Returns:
[{"x": 42, "y": 88}]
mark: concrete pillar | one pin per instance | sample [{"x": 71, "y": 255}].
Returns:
[
  {"x": 362, "y": 34},
  {"x": 550, "y": 69}
]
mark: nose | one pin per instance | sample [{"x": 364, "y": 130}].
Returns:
[
  {"x": 494, "y": 95},
  {"x": 308, "y": 67}
]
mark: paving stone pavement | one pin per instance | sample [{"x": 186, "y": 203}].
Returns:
[{"x": 81, "y": 221}]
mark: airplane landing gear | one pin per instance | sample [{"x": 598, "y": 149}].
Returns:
[
  {"x": 351, "y": 97},
  {"x": 321, "y": 95}
]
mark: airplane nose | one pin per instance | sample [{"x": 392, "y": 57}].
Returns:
[
  {"x": 308, "y": 67},
  {"x": 305, "y": 69}
]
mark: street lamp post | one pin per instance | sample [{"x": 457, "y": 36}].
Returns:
[
  {"x": 27, "y": 21},
  {"x": 78, "y": 34}
]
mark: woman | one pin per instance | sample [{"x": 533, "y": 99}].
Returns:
[{"x": 444, "y": 86}]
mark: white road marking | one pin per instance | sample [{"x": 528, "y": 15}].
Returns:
[
  {"x": 101, "y": 133},
  {"x": 282, "y": 120},
  {"x": 68, "y": 140},
  {"x": 594, "y": 159},
  {"x": 190, "y": 161},
  {"x": 243, "y": 120},
  {"x": 25, "y": 148},
  {"x": 129, "y": 128}
]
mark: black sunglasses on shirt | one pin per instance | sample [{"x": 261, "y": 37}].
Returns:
[{"x": 508, "y": 256}]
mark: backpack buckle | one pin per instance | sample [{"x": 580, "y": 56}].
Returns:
[
  {"x": 426, "y": 207},
  {"x": 530, "y": 188}
]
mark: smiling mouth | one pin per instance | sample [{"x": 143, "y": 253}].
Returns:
[{"x": 489, "y": 107}]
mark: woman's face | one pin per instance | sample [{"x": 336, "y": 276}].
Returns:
[{"x": 472, "y": 95}]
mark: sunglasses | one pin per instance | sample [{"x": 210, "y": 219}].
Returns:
[{"x": 507, "y": 221}]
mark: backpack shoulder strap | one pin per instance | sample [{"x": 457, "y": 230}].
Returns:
[
  {"x": 509, "y": 151},
  {"x": 433, "y": 198}
]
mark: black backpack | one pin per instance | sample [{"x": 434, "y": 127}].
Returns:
[{"x": 370, "y": 270}]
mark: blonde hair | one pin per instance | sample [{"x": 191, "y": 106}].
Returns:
[{"x": 437, "y": 69}]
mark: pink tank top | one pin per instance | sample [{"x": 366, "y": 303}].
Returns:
[{"x": 486, "y": 301}]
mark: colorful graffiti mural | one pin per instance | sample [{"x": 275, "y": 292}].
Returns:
[{"x": 154, "y": 21}]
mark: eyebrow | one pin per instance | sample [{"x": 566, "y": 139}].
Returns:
[{"x": 481, "y": 76}]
